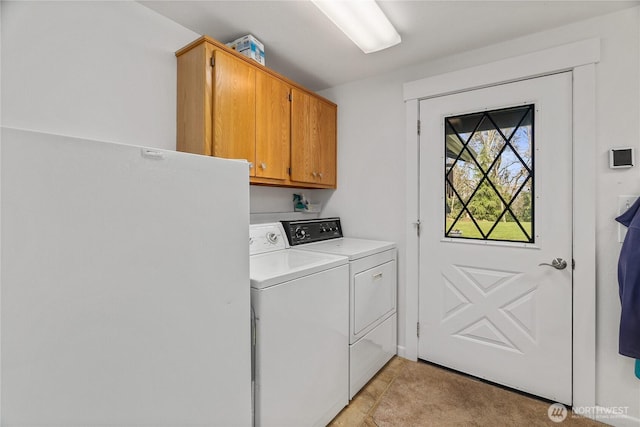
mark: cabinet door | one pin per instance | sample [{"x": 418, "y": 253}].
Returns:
[
  {"x": 303, "y": 165},
  {"x": 313, "y": 140},
  {"x": 326, "y": 157},
  {"x": 234, "y": 114},
  {"x": 273, "y": 127}
]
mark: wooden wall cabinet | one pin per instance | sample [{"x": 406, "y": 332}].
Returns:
[{"x": 230, "y": 106}]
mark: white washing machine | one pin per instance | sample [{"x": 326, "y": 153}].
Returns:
[
  {"x": 301, "y": 325},
  {"x": 372, "y": 292}
]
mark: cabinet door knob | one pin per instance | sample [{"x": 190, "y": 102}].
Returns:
[
  {"x": 250, "y": 165},
  {"x": 263, "y": 165},
  {"x": 314, "y": 174},
  {"x": 320, "y": 174}
]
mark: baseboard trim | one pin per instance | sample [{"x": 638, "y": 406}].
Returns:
[
  {"x": 613, "y": 420},
  {"x": 402, "y": 352}
]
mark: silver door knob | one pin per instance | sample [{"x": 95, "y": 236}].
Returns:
[{"x": 557, "y": 263}]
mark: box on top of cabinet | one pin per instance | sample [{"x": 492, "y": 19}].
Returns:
[{"x": 249, "y": 46}]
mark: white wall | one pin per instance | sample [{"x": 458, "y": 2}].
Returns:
[
  {"x": 277, "y": 200},
  {"x": 371, "y": 158},
  {"x": 95, "y": 70}
]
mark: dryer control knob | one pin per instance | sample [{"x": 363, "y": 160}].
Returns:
[{"x": 300, "y": 233}]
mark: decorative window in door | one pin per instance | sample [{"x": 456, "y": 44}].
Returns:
[{"x": 489, "y": 189}]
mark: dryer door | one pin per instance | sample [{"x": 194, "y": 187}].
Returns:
[{"x": 374, "y": 295}]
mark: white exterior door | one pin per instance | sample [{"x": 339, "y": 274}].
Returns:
[{"x": 495, "y": 203}]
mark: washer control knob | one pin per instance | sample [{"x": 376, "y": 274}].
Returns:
[{"x": 272, "y": 237}]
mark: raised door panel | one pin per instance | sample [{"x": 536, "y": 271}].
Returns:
[
  {"x": 273, "y": 127},
  {"x": 234, "y": 103},
  {"x": 326, "y": 143},
  {"x": 303, "y": 155}
]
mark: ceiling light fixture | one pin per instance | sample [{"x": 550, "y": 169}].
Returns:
[{"x": 362, "y": 21}]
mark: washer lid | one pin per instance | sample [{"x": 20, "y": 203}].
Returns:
[
  {"x": 272, "y": 268},
  {"x": 349, "y": 247}
]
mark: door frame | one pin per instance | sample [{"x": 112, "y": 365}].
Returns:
[{"x": 580, "y": 58}]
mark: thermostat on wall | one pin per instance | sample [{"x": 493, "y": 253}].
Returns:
[{"x": 621, "y": 158}]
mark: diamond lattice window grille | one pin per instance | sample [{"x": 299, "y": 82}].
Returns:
[{"x": 489, "y": 171}]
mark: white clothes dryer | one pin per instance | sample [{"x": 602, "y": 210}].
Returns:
[
  {"x": 372, "y": 292},
  {"x": 300, "y": 321}
]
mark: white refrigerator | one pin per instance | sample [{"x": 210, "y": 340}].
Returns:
[{"x": 124, "y": 285}]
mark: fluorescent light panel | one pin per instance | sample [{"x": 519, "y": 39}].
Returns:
[{"x": 362, "y": 21}]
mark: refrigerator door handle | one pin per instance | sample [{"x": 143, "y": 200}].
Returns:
[{"x": 152, "y": 154}]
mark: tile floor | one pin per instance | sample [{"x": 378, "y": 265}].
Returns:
[
  {"x": 361, "y": 408},
  {"x": 416, "y": 394}
]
